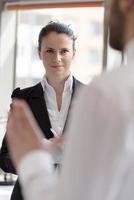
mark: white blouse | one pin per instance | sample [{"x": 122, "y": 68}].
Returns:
[{"x": 57, "y": 118}]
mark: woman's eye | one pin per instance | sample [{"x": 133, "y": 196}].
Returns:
[
  {"x": 64, "y": 51},
  {"x": 49, "y": 51}
]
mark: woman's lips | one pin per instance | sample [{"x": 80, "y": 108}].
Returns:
[{"x": 56, "y": 66}]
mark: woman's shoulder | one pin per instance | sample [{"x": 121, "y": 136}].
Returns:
[{"x": 25, "y": 92}]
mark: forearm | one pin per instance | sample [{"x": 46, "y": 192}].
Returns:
[{"x": 36, "y": 171}]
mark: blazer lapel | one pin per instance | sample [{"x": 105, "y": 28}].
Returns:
[
  {"x": 76, "y": 85},
  {"x": 38, "y": 106}
]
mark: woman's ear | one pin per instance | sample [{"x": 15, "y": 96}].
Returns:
[{"x": 74, "y": 51}]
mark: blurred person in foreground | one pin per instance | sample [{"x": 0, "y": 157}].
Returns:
[
  {"x": 50, "y": 99},
  {"x": 99, "y": 154}
]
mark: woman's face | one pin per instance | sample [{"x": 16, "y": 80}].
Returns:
[{"x": 57, "y": 54}]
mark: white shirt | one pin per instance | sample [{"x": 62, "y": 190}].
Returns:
[
  {"x": 57, "y": 118},
  {"x": 99, "y": 154}
]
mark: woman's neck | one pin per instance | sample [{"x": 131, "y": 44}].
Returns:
[
  {"x": 57, "y": 82},
  {"x": 58, "y": 85}
]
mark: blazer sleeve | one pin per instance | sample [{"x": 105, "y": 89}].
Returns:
[{"x": 5, "y": 161}]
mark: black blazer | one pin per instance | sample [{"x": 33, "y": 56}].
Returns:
[{"x": 34, "y": 96}]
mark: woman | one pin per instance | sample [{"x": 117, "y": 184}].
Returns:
[{"x": 50, "y": 99}]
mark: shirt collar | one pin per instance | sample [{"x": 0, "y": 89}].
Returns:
[{"x": 68, "y": 83}]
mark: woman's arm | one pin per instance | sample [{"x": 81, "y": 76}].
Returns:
[{"x": 5, "y": 162}]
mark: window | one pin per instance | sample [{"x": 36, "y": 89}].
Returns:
[{"x": 29, "y": 69}]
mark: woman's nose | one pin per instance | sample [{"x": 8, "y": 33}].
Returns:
[{"x": 57, "y": 57}]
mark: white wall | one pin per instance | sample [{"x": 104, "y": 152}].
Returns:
[{"x": 7, "y": 44}]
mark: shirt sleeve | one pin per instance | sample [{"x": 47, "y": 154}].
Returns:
[
  {"x": 36, "y": 176},
  {"x": 97, "y": 160}
]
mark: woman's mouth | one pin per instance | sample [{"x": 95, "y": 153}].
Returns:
[{"x": 56, "y": 66}]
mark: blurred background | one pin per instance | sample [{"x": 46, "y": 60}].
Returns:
[{"x": 20, "y": 24}]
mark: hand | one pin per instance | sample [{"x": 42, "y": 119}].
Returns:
[
  {"x": 57, "y": 142},
  {"x": 57, "y": 145},
  {"x": 23, "y": 133}
]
